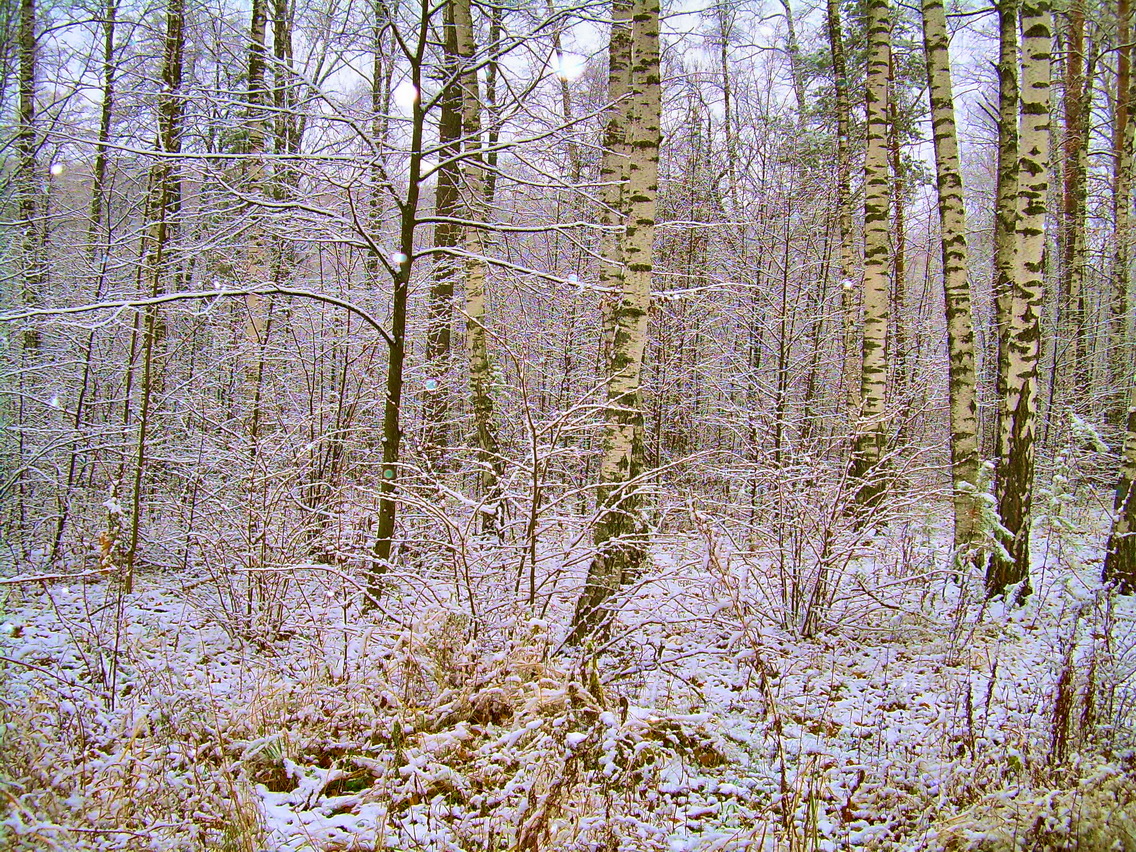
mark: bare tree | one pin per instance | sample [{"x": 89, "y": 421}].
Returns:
[
  {"x": 163, "y": 210},
  {"x": 1015, "y": 472},
  {"x": 33, "y": 270},
  {"x": 871, "y": 430},
  {"x": 619, "y": 534},
  {"x": 850, "y": 308},
  {"x": 1123, "y": 141},
  {"x": 956, "y": 284},
  {"x": 473, "y": 197}
]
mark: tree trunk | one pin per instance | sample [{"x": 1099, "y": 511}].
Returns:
[
  {"x": 1073, "y": 332},
  {"x": 613, "y": 175},
  {"x": 447, "y": 233},
  {"x": 1120, "y": 556},
  {"x": 490, "y": 463},
  {"x": 400, "y": 267},
  {"x": 1005, "y": 202},
  {"x": 1019, "y": 416},
  {"x": 899, "y": 354},
  {"x": 492, "y": 113},
  {"x": 164, "y": 209},
  {"x": 28, "y": 184},
  {"x": 849, "y": 303},
  {"x": 619, "y": 532},
  {"x": 871, "y": 430},
  {"x": 97, "y": 251},
  {"x": 1123, "y": 136},
  {"x": 796, "y": 66},
  {"x": 256, "y": 271},
  {"x": 956, "y": 284}
]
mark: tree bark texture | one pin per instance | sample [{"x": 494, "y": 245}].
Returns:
[
  {"x": 1072, "y": 334},
  {"x": 1005, "y": 201},
  {"x": 1015, "y": 472},
  {"x": 613, "y": 175},
  {"x": 1120, "y": 555},
  {"x": 956, "y": 284},
  {"x": 849, "y": 303},
  {"x": 447, "y": 235},
  {"x": 473, "y": 203},
  {"x": 899, "y": 346},
  {"x": 164, "y": 207},
  {"x": 871, "y": 429},
  {"x": 28, "y": 183},
  {"x": 1123, "y": 139},
  {"x": 400, "y": 269},
  {"x": 619, "y": 532}
]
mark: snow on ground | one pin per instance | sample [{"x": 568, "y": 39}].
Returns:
[{"x": 269, "y": 712}]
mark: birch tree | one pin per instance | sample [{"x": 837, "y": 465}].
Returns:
[
  {"x": 849, "y": 306},
  {"x": 1123, "y": 137},
  {"x": 619, "y": 530},
  {"x": 956, "y": 284},
  {"x": 490, "y": 463},
  {"x": 614, "y": 161},
  {"x": 1005, "y": 201},
  {"x": 871, "y": 430},
  {"x": 1015, "y": 470}
]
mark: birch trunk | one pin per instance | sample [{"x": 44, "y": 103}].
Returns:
[
  {"x": 849, "y": 303},
  {"x": 1005, "y": 202},
  {"x": 473, "y": 240},
  {"x": 956, "y": 284},
  {"x": 1123, "y": 134},
  {"x": 871, "y": 430},
  {"x": 619, "y": 532},
  {"x": 899, "y": 345},
  {"x": 613, "y": 175},
  {"x": 1019, "y": 417}
]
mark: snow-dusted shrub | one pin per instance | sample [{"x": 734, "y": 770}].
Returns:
[
  {"x": 809, "y": 557},
  {"x": 78, "y": 778},
  {"x": 1097, "y": 813}
]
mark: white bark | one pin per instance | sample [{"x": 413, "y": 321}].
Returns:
[
  {"x": 871, "y": 432},
  {"x": 618, "y": 534},
  {"x": 1019, "y": 414},
  {"x": 956, "y": 284}
]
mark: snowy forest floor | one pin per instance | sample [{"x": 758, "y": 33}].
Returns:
[{"x": 914, "y": 717}]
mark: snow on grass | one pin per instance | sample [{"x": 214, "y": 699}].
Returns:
[{"x": 915, "y": 716}]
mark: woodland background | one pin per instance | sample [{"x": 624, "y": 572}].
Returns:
[{"x": 390, "y": 460}]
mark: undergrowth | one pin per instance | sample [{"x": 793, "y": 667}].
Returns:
[{"x": 915, "y": 716}]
